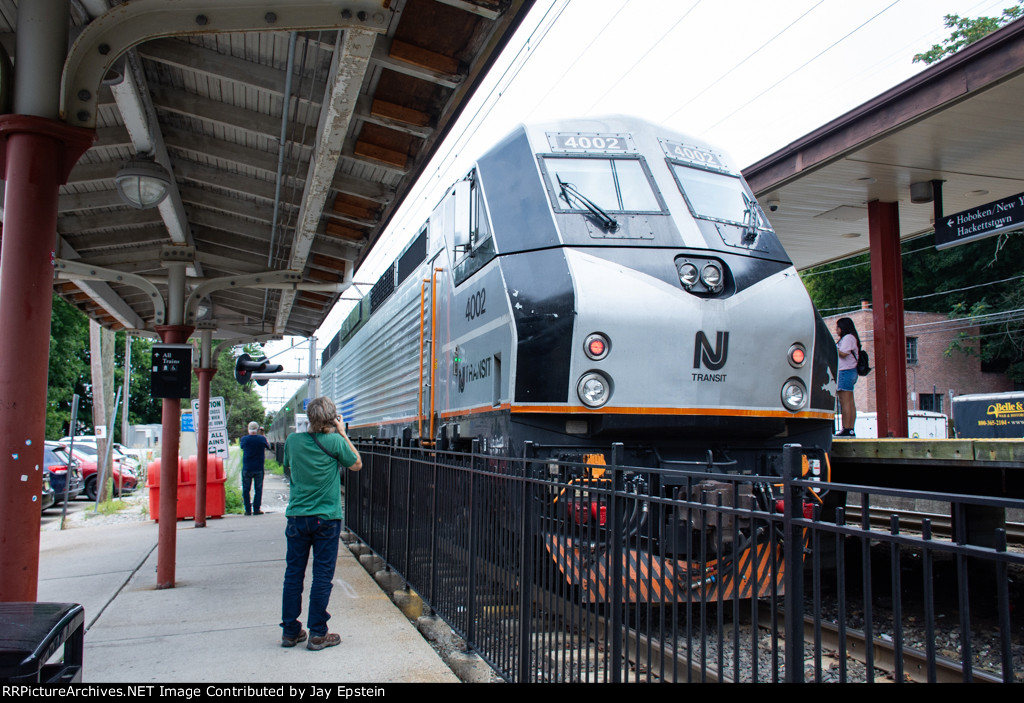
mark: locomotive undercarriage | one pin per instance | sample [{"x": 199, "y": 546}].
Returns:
[{"x": 689, "y": 519}]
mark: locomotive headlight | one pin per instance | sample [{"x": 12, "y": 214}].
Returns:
[
  {"x": 594, "y": 389},
  {"x": 712, "y": 276},
  {"x": 688, "y": 274},
  {"x": 794, "y": 395},
  {"x": 596, "y": 346}
]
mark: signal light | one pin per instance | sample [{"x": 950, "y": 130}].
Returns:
[
  {"x": 245, "y": 367},
  {"x": 596, "y": 346},
  {"x": 797, "y": 355}
]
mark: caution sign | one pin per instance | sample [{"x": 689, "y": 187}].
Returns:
[{"x": 218, "y": 416}]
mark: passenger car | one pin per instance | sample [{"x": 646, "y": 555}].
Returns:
[
  {"x": 56, "y": 462},
  {"x": 124, "y": 476},
  {"x": 46, "y": 496},
  {"x": 87, "y": 443}
]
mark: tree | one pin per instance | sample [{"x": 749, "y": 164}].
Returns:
[
  {"x": 966, "y": 31},
  {"x": 143, "y": 408},
  {"x": 242, "y": 404},
  {"x": 981, "y": 277},
  {"x": 69, "y": 368}
]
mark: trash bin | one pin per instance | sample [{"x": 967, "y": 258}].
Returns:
[{"x": 31, "y": 633}]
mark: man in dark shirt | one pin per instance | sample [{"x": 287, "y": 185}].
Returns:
[{"x": 253, "y": 447}]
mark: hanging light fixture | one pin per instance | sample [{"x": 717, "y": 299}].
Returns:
[{"x": 142, "y": 184}]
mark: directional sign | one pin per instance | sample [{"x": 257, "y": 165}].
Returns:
[
  {"x": 982, "y": 221},
  {"x": 171, "y": 375},
  {"x": 218, "y": 444}
]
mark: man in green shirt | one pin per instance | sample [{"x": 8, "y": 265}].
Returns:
[{"x": 315, "y": 459}]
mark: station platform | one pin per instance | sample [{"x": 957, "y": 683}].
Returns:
[
  {"x": 221, "y": 623},
  {"x": 982, "y": 467}
]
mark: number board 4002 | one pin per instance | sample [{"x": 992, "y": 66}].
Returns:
[
  {"x": 591, "y": 142},
  {"x": 695, "y": 155}
]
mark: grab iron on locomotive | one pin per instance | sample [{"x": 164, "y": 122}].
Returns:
[{"x": 588, "y": 283}]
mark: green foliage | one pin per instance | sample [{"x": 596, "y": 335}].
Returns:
[
  {"x": 69, "y": 368},
  {"x": 966, "y": 31},
  {"x": 242, "y": 404},
  {"x": 233, "y": 504},
  {"x": 69, "y": 373},
  {"x": 959, "y": 281},
  {"x": 272, "y": 467}
]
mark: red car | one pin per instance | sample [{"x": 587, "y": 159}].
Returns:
[{"x": 124, "y": 477}]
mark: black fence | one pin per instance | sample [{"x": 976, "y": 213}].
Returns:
[{"x": 594, "y": 571}]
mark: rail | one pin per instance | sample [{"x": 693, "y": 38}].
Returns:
[{"x": 552, "y": 578}]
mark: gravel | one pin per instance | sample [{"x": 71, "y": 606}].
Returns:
[{"x": 81, "y": 513}]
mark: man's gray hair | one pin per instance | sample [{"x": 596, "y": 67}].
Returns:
[
  {"x": 254, "y": 427},
  {"x": 321, "y": 412}
]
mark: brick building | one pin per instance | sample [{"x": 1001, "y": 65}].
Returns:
[{"x": 933, "y": 377}]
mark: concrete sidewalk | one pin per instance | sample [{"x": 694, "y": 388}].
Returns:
[{"x": 220, "y": 623}]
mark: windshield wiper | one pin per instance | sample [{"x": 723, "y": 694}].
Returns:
[
  {"x": 753, "y": 220},
  {"x": 570, "y": 194}
]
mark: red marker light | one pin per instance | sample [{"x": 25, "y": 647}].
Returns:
[
  {"x": 798, "y": 356},
  {"x": 596, "y": 346}
]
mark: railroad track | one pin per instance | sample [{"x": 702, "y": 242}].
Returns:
[
  {"x": 913, "y": 664},
  {"x": 942, "y": 525}
]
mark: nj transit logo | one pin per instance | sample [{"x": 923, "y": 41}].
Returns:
[{"x": 712, "y": 358}]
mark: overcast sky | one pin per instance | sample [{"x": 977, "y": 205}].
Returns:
[{"x": 750, "y": 76}]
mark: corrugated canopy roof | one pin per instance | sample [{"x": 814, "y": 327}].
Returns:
[{"x": 292, "y": 130}]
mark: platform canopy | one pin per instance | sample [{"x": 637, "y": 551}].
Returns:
[
  {"x": 291, "y": 132},
  {"x": 960, "y": 121}
]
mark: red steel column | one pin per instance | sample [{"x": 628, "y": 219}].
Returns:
[
  {"x": 167, "y": 534},
  {"x": 36, "y": 157},
  {"x": 889, "y": 363},
  {"x": 202, "y": 443}
]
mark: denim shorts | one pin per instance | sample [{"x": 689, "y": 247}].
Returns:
[{"x": 847, "y": 379}]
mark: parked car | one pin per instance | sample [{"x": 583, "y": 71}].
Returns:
[
  {"x": 56, "y": 462},
  {"x": 46, "y": 497},
  {"x": 87, "y": 443},
  {"x": 124, "y": 476}
]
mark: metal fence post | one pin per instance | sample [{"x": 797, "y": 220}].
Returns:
[
  {"x": 472, "y": 546},
  {"x": 793, "y": 564},
  {"x": 433, "y": 522},
  {"x": 526, "y": 533},
  {"x": 410, "y": 541},
  {"x": 387, "y": 508},
  {"x": 617, "y": 597}
]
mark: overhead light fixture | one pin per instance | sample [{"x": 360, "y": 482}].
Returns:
[
  {"x": 142, "y": 184},
  {"x": 921, "y": 192}
]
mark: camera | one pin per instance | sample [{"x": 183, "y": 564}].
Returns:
[{"x": 773, "y": 204}]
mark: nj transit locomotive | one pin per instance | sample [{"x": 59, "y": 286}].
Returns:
[{"x": 593, "y": 282}]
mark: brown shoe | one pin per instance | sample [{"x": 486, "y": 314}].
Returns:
[
  {"x": 292, "y": 641},
  {"x": 328, "y": 640}
]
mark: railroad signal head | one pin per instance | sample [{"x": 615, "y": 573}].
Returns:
[{"x": 246, "y": 366}]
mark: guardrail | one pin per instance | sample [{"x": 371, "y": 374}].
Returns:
[{"x": 568, "y": 571}]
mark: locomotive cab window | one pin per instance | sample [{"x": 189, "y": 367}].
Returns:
[
  {"x": 472, "y": 243},
  {"x": 723, "y": 199},
  {"x": 618, "y": 185}
]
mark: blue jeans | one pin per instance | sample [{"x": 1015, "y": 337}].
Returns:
[
  {"x": 302, "y": 533},
  {"x": 254, "y": 481}
]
